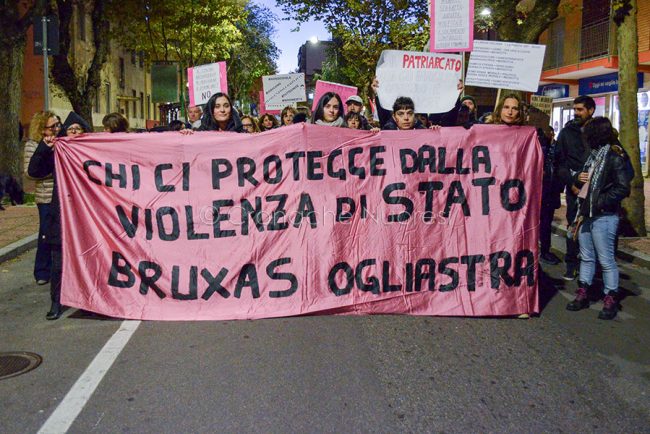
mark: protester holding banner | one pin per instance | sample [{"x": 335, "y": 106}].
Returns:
[
  {"x": 472, "y": 111},
  {"x": 40, "y": 166},
  {"x": 353, "y": 120},
  {"x": 355, "y": 104},
  {"x": 286, "y": 117},
  {"x": 403, "y": 117},
  {"x": 115, "y": 123},
  {"x": 604, "y": 182},
  {"x": 267, "y": 122},
  {"x": 508, "y": 111},
  {"x": 194, "y": 116},
  {"x": 249, "y": 124},
  {"x": 220, "y": 115},
  {"x": 43, "y": 123},
  {"x": 329, "y": 111},
  {"x": 551, "y": 189}
]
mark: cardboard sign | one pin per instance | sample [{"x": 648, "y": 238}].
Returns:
[
  {"x": 429, "y": 79},
  {"x": 263, "y": 108},
  {"x": 505, "y": 65},
  {"x": 323, "y": 87},
  {"x": 206, "y": 80},
  {"x": 452, "y": 25},
  {"x": 543, "y": 103},
  {"x": 283, "y": 90},
  {"x": 302, "y": 219}
]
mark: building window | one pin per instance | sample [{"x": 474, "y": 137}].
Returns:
[
  {"x": 122, "y": 74},
  {"x": 141, "y": 105},
  {"x": 133, "y": 55},
  {"x": 108, "y": 97},
  {"x": 148, "y": 106},
  {"x": 141, "y": 59},
  {"x": 81, "y": 21},
  {"x": 135, "y": 103}
]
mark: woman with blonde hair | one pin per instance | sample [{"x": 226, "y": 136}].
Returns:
[
  {"x": 286, "y": 117},
  {"x": 43, "y": 123},
  {"x": 509, "y": 111}
]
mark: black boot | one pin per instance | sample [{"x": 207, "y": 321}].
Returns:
[
  {"x": 55, "y": 311},
  {"x": 610, "y": 307},
  {"x": 582, "y": 299}
]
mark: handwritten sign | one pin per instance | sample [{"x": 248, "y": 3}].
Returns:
[
  {"x": 283, "y": 90},
  {"x": 429, "y": 79},
  {"x": 206, "y": 80},
  {"x": 505, "y": 65},
  {"x": 452, "y": 25},
  {"x": 543, "y": 103}
]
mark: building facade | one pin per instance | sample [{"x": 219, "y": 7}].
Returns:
[
  {"x": 125, "y": 79},
  {"x": 582, "y": 59}
]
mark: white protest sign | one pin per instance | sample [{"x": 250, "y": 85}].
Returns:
[
  {"x": 452, "y": 25},
  {"x": 429, "y": 79},
  {"x": 543, "y": 103},
  {"x": 283, "y": 90},
  {"x": 206, "y": 80},
  {"x": 505, "y": 65}
]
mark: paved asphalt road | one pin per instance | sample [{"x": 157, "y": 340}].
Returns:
[{"x": 560, "y": 372}]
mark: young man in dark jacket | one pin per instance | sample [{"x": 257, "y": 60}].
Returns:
[
  {"x": 572, "y": 154},
  {"x": 403, "y": 117}
]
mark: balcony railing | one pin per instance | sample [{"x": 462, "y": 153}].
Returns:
[{"x": 579, "y": 45}]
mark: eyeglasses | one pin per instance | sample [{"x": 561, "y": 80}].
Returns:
[
  {"x": 55, "y": 126},
  {"x": 75, "y": 130},
  {"x": 247, "y": 125}
]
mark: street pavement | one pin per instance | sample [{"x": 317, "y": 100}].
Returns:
[{"x": 562, "y": 371}]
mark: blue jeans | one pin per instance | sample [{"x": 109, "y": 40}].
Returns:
[
  {"x": 43, "y": 262},
  {"x": 597, "y": 239}
]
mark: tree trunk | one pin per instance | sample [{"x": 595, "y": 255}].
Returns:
[
  {"x": 81, "y": 91},
  {"x": 629, "y": 133},
  {"x": 12, "y": 55}
]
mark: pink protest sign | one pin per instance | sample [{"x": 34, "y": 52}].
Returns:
[
  {"x": 452, "y": 26},
  {"x": 263, "y": 109},
  {"x": 300, "y": 220},
  {"x": 323, "y": 87},
  {"x": 206, "y": 80}
]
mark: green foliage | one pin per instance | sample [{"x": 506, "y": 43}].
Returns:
[
  {"x": 192, "y": 32},
  {"x": 254, "y": 55},
  {"x": 516, "y": 20},
  {"x": 362, "y": 30}
]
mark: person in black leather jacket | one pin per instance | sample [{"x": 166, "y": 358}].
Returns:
[{"x": 604, "y": 182}]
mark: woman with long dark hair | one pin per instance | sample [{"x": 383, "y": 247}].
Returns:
[
  {"x": 220, "y": 115},
  {"x": 329, "y": 111}
]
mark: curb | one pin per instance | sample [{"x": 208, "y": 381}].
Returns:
[
  {"x": 20, "y": 246},
  {"x": 628, "y": 255}
]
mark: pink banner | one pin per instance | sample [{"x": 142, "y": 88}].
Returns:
[
  {"x": 300, "y": 220},
  {"x": 323, "y": 87}
]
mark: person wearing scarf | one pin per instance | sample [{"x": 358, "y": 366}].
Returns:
[
  {"x": 329, "y": 111},
  {"x": 604, "y": 182}
]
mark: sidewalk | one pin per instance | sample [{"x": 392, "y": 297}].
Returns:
[{"x": 19, "y": 226}]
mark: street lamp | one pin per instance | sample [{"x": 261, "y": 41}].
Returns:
[
  {"x": 485, "y": 12},
  {"x": 314, "y": 39}
]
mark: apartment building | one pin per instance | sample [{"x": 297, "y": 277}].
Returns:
[
  {"x": 582, "y": 59},
  {"x": 126, "y": 79}
]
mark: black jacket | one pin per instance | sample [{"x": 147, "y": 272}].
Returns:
[
  {"x": 612, "y": 187},
  {"x": 447, "y": 119},
  {"x": 391, "y": 125},
  {"x": 40, "y": 166},
  {"x": 209, "y": 124},
  {"x": 572, "y": 153},
  {"x": 551, "y": 184}
]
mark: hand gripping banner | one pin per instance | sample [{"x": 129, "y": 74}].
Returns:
[{"x": 301, "y": 220}]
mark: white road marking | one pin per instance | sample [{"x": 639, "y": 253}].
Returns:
[{"x": 75, "y": 400}]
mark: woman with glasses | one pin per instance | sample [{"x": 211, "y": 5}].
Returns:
[
  {"x": 249, "y": 124},
  {"x": 42, "y": 165},
  {"x": 43, "y": 123}
]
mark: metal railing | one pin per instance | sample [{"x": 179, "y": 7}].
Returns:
[{"x": 579, "y": 45}]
